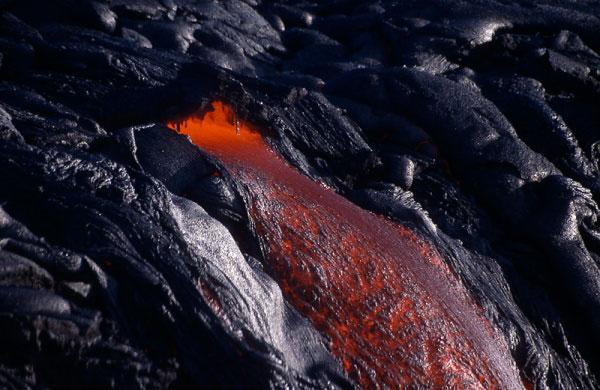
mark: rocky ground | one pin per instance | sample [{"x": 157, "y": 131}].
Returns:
[{"x": 126, "y": 263}]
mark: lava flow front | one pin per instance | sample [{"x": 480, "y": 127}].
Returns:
[{"x": 394, "y": 313}]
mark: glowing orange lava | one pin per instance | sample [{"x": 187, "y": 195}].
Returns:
[{"x": 394, "y": 313}]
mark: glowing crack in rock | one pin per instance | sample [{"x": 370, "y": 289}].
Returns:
[{"x": 394, "y": 313}]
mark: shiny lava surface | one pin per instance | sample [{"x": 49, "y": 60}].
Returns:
[{"x": 394, "y": 313}]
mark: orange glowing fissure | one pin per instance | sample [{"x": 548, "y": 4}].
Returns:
[{"x": 394, "y": 313}]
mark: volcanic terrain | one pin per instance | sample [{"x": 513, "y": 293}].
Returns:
[{"x": 299, "y": 194}]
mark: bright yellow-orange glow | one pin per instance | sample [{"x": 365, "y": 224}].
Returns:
[
  {"x": 218, "y": 129},
  {"x": 394, "y": 313}
]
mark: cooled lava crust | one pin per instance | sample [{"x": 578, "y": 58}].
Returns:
[{"x": 391, "y": 194}]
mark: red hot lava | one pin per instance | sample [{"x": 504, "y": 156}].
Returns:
[{"x": 394, "y": 313}]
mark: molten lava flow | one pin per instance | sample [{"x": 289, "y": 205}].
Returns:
[{"x": 395, "y": 314}]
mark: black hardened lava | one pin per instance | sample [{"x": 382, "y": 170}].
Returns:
[{"x": 127, "y": 257}]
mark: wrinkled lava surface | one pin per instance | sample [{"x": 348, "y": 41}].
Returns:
[
  {"x": 393, "y": 311},
  {"x": 127, "y": 262}
]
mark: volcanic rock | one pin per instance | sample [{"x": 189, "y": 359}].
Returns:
[{"x": 132, "y": 258}]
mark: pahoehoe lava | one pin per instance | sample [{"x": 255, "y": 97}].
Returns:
[
  {"x": 392, "y": 309},
  {"x": 360, "y": 194}
]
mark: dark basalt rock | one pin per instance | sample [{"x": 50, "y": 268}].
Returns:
[
  {"x": 136, "y": 37},
  {"x": 147, "y": 271},
  {"x": 7, "y": 129},
  {"x": 127, "y": 259}
]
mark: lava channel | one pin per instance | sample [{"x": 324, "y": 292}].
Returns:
[{"x": 394, "y": 313}]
